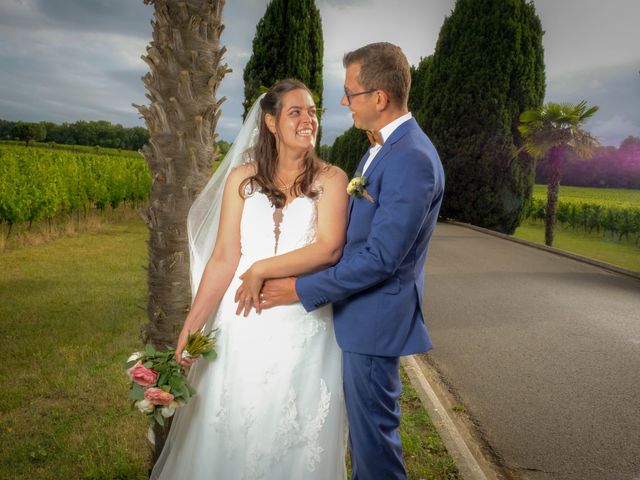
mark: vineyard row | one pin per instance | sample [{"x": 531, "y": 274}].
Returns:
[
  {"x": 618, "y": 222},
  {"x": 38, "y": 184}
]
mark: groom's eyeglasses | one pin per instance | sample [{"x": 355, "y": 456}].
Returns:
[{"x": 349, "y": 95}]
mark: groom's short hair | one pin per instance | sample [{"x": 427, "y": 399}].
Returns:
[{"x": 384, "y": 67}]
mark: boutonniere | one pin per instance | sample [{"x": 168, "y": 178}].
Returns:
[{"x": 356, "y": 187}]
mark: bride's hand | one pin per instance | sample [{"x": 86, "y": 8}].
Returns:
[
  {"x": 248, "y": 294},
  {"x": 185, "y": 362}
]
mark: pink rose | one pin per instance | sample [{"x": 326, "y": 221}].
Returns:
[
  {"x": 157, "y": 396},
  {"x": 143, "y": 376}
]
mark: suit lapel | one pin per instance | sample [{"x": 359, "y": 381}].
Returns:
[
  {"x": 397, "y": 134},
  {"x": 363, "y": 160}
]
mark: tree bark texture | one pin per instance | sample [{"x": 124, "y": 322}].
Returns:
[
  {"x": 185, "y": 70},
  {"x": 553, "y": 189}
]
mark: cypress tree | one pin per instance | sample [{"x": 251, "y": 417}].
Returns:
[
  {"x": 288, "y": 44},
  {"x": 417, "y": 94},
  {"x": 348, "y": 149},
  {"x": 488, "y": 67}
]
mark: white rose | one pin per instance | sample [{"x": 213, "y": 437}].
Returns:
[
  {"x": 134, "y": 356},
  {"x": 167, "y": 411},
  {"x": 145, "y": 406}
]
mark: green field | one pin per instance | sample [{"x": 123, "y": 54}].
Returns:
[
  {"x": 608, "y": 197},
  {"x": 117, "y": 152},
  {"x": 621, "y": 254},
  {"x": 42, "y": 184},
  {"x": 71, "y": 311},
  {"x": 587, "y": 209}
]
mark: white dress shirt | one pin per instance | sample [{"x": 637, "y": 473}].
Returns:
[{"x": 385, "y": 132}]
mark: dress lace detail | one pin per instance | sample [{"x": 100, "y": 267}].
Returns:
[
  {"x": 271, "y": 406},
  {"x": 294, "y": 430},
  {"x": 311, "y": 432}
]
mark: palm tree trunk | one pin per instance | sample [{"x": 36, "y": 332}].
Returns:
[
  {"x": 184, "y": 59},
  {"x": 553, "y": 188}
]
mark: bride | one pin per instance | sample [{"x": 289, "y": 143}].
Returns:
[{"x": 271, "y": 405}]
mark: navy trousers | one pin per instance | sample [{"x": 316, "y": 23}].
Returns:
[{"x": 372, "y": 389}]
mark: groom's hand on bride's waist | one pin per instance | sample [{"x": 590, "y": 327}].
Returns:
[{"x": 278, "y": 291}]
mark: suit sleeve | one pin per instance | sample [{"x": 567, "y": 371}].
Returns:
[{"x": 406, "y": 193}]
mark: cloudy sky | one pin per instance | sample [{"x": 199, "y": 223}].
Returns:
[{"x": 67, "y": 60}]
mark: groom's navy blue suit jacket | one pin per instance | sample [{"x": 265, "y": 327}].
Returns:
[{"x": 376, "y": 287}]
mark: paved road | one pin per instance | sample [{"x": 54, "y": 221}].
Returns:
[{"x": 544, "y": 351}]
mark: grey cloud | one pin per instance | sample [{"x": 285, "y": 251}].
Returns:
[
  {"x": 336, "y": 119},
  {"x": 129, "y": 78},
  {"x": 616, "y": 90},
  {"x": 65, "y": 60},
  {"x": 61, "y": 79},
  {"x": 125, "y": 17}
]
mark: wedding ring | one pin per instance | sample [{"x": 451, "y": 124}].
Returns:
[{"x": 247, "y": 300}]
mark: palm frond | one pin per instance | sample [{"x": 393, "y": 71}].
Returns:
[{"x": 557, "y": 124}]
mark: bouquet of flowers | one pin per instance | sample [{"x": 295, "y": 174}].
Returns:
[{"x": 158, "y": 382}]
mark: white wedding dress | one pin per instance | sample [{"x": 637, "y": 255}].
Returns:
[{"x": 271, "y": 405}]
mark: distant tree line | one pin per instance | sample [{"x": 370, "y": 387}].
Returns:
[
  {"x": 610, "y": 167},
  {"x": 101, "y": 133}
]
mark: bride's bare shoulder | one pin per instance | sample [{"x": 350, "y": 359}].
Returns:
[
  {"x": 332, "y": 175},
  {"x": 241, "y": 172}
]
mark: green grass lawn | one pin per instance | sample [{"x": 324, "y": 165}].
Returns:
[
  {"x": 69, "y": 318},
  {"x": 622, "y": 253},
  {"x": 596, "y": 246},
  {"x": 424, "y": 453}
]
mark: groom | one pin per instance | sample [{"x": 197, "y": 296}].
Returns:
[{"x": 376, "y": 287}]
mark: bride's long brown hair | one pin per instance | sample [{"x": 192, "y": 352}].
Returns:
[{"x": 265, "y": 153}]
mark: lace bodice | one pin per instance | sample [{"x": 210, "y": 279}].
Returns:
[{"x": 267, "y": 231}]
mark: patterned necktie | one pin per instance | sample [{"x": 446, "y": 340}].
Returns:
[{"x": 375, "y": 137}]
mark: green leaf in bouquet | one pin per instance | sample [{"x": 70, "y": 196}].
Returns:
[
  {"x": 162, "y": 368},
  {"x": 162, "y": 379},
  {"x": 182, "y": 389},
  {"x": 137, "y": 392},
  {"x": 149, "y": 350},
  {"x": 130, "y": 364},
  {"x": 210, "y": 355},
  {"x": 165, "y": 356},
  {"x": 185, "y": 397},
  {"x": 158, "y": 417},
  {"x": 175, "y": 382},
  {"x": 148, "y": 364}
]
